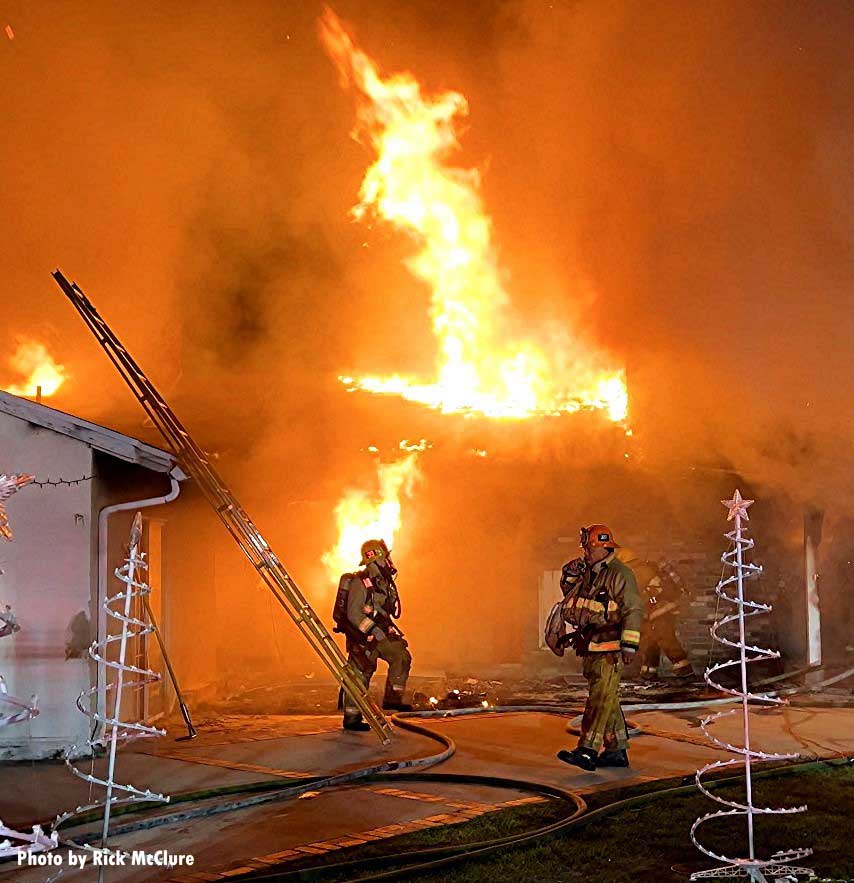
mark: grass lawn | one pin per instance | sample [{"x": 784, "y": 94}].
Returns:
[{"x": 649, "y": 841}]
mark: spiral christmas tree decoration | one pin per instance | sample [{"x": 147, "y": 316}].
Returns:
[
  {"x": 13, "y": 843},
  {"x": 17, "y": 711},
  {"x": 127, "y": 677},
  {"x": 752, "y": 867},
  {"x": 14, "y": 710}
]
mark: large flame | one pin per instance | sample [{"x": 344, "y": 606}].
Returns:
[
  {"x": 363, "y": 515},
  {"x": 32, "y": 360},
  {"x": 482, "y": 366}
]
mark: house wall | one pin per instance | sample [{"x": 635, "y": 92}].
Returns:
[{"x": 47, "y": 578}]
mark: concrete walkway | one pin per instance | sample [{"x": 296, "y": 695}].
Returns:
[{"x": 244, "y": 750}]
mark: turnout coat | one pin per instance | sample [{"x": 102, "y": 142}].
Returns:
[{"x": 604, "y": 603}]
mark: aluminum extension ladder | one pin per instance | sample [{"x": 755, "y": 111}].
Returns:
[{"x": 196, "y": 464}]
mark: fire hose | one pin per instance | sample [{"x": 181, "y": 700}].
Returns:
[
  {"x": 423, "y": 861},
  {"x": 427, "y": 860},
  {"x": 209, "y": 802},
  {"x": 269, "y": 791}
]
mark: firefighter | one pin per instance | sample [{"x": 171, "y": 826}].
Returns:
[
  {"x": 604, "y": 612},
  {"x": 661, "y": 589},
  {"x": 365, "y": 609}
]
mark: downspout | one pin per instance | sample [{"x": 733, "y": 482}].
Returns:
[
  {"x": 812, "y": 538},
  {"x": 103, "y": 576}
]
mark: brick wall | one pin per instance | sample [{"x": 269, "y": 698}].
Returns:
[{"x": 701, "y": 568}]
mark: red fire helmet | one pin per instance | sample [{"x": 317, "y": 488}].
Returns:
[{"x": 598, "y": 535}]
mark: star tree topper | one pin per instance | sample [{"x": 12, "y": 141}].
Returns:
[{"x": 737, "y": 506}]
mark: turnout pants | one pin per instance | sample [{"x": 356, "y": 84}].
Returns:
[
  {"x": 603, "y": 724},
  {"x": 661, "y": 638},
  {"x": 364, "y": 657}
]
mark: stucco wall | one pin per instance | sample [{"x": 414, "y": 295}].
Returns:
[{"x": 47, "y": 579}]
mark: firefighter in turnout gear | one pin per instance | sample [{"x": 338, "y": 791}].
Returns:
[
  {"x": 365, "y": 609},
  {"x": 661, "y": 589},
  {"x": 604, "y": 612}
]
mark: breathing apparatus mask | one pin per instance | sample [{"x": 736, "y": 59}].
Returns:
[{"x": 376, "y": 557}]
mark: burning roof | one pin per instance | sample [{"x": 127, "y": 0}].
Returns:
[{"x": 490, "y": 361}]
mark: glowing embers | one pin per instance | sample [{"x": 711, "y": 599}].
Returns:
[
  {"x": 40, "y": 374},
  {"x": 365, "y": 514},
  {"x": 484, "y": 366}
]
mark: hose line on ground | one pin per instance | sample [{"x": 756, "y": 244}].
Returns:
[
  {"x": 271, "y": 791},
  {"x": 275, "y": 791},
  {"x": 433, "y": 859}
]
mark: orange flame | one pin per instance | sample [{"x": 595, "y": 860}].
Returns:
[
  {"x": 482, "y": 368},
  {"x": 362, "y": 515},
  {"x": 32, "y": 360}
]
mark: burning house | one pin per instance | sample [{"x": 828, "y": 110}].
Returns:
[
  {"x": 463, "y": 335},
  {"x": 458, "y": 278}
]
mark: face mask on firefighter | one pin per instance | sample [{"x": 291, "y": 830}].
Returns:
[
  {"x": 386, "y": 570},
  {"x": 380, "y": 558},
  {"x": 389, "y": 564}
]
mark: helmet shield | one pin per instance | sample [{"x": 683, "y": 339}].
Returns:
[{"x": 598, "y": 536}]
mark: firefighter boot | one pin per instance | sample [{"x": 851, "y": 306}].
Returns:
[
  {"x": 396, "y": 706},
  {"x": 393, "y": 699},
  {"x": 580, "y": 757},
  {"x": 683, "y": 671},
  {"x": 648, "y": 673},
  {"x": 356, "y": 725},
  {"x": 613, "y": 757}
]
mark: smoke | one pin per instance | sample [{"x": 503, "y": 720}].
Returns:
[
  {"x": 673, "y": 180},
  {"x": 687, "y": 162}
]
